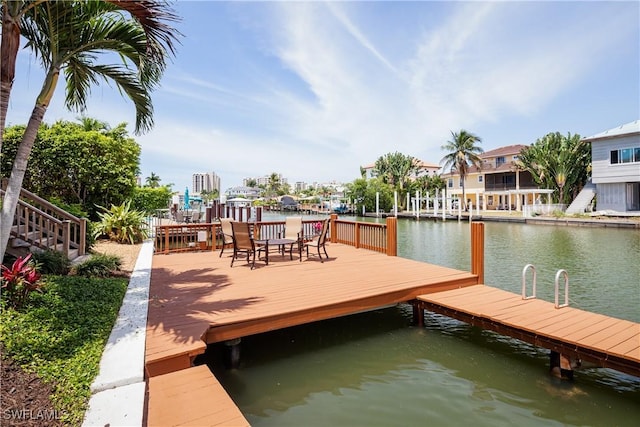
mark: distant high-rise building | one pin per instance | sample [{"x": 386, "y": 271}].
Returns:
[{"x": 205, "y": 182}]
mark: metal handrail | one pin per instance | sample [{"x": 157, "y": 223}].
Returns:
[
  {"x": 524, "y": 281},
  {"x": 566, "y": 289}
]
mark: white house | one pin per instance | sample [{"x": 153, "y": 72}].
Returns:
[{"x": 616, "y": 167}]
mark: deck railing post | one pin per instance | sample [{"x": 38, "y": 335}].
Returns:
[
  {"x": 356, "y": 240},
  {"x": 167, "y": 240},
  {"x": 392, "y": 236},
  {"x": 334, "y": 228},
  {"x": 477, "y": 250}
]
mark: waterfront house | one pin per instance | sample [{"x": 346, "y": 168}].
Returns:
[
  {"x": 499, "y": 184},
  {"x": 616, "y": 167},
  {"x": 423, "y": 169}
]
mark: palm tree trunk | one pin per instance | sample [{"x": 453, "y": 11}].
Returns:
[
  {"x": 12, "y": 194},
  {"x": 8, "y": 55},
  {"x": 463, "y": 203}
]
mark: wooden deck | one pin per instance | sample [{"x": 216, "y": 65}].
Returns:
[
  {"x": 605, "y": 341},
  {"x": 197, "y": 297},
  {"x": 191, "y": 397}
]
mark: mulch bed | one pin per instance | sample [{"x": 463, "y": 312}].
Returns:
[{"x": 24, "y": 399}]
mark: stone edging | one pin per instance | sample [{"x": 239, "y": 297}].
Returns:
[{"x": 118, "y": 390}]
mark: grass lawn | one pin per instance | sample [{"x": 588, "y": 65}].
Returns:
[{"x": 60, "y": 335}]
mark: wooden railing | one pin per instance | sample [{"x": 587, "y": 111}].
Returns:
[
  {"x": 46, "y": 226},
  {"x": 207, "y": 236}
]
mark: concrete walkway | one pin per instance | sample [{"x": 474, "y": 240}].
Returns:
[{"x": 118, "y": 392}]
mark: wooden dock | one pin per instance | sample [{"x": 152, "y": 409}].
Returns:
[
  {"x": 608, "y": 342},
  {"x": 197, "y": 298}
]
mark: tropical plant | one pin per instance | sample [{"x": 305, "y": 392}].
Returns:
[
  {"x": 19, "y": 281},
  {"x": 60, "y": 336},
  {"x": 73, "y": 37},
  {"x": 52, "y": 262},
  {"x": 364, "y": 192},
  {"x": 274, "y": 185},
  {"x": 558, "y": 162},
  {"x": 100, "y": 265},
  {"x": 396, "y": 169},
  {"x": 209, "y": 195},
  {"x": 122, "y": 224},
  {"x": 429, "y": 184},
  {"x": 153, "y": 180},
  {"x": 462, "y": 154}
]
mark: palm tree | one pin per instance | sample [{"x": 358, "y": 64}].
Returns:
[
  {"x": 274, "y": 184},
  {"x": 89, "y": 124},
  {"x": 153, "y": 180},
  {"x": 396, "y": 169},
  {"x": 462, "y": 154},
  {"x": 73, "y": 37}
]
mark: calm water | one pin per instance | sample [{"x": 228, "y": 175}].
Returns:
[{"x": 373, "y": 369}]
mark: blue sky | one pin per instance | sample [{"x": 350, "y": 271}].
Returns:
[{"x": 314, "y": 90}]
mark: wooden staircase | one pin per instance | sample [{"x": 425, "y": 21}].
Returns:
[{"x": 39, "y": 224}]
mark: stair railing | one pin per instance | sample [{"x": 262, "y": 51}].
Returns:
[{"x": 46, "y": 226}]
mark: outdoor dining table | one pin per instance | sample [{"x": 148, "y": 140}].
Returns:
[{"x": 279, "y": 243}]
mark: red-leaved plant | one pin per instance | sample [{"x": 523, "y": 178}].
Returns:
[{"x": 19, "y": 281}]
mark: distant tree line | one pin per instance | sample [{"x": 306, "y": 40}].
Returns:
[{"x": 555, "y": 161}]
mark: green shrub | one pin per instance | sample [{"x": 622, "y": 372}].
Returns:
[
  {"x": 52, "y": 262},
  {"x": 60, "y": 336},
  {"x": 122, "y": 224},
  {"x": 99, "y": 266}
]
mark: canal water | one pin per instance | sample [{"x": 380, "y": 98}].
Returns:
[{"x": 375, "y": 369}]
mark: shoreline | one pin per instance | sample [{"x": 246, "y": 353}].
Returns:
[{"x": 630, "y": 222}]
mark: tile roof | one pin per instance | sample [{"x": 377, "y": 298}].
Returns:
[{"x": 503, "y": 151}]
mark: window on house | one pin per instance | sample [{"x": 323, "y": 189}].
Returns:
[
  {"x": 479, "y": 178},
  {"x": 450, "y": 183},
  {"x": 500, "y": 161},
  {"x": 625, "y": 155}
]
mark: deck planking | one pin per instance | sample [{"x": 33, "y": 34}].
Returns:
[
  {"x": 197, "y": 298},
  {"x": 606, "y": 341},
  {"x": 191, "y": 397}
]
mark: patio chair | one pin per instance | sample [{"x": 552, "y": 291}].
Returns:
[
  {"x": 195, "y": 217},
  {"x": 243, "y": 243},
  {"x": 318, "y": 242},
  {"x": 227, "y": 233},
  {"x": 179, "y": 216},
  {"x": 293, "y": 231}
]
